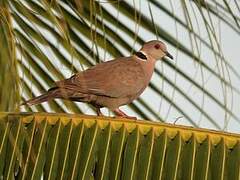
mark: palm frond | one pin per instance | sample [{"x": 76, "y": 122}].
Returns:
[
  {"x": 50, "y": 146},
  {"x": 9, "y": 78}
]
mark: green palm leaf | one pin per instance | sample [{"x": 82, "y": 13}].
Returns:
[{"x": 63, "y": 146}]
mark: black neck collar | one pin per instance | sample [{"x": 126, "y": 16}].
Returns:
[{"x": 141, "y": 55}]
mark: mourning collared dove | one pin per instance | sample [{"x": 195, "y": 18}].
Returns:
[{"x": 110, "y": 84}]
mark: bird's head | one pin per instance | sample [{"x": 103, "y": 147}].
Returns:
[{"x": 156, "y": 49}]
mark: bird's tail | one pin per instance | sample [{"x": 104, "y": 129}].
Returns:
[{"x": 51, "y": 94}]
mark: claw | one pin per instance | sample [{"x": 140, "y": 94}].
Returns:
[{"x": 120, "y": 113}]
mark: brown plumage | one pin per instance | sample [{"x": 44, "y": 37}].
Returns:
[{"x": 110, "y": 84}]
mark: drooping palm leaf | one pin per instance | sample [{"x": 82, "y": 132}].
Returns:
[{"x": 9, "y": 95}]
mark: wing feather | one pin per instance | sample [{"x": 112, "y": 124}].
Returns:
[{"x": 117, "y": 78}]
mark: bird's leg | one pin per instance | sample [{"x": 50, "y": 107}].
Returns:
[
  {"x": 120, "y": 113},
  {"x": 99, "y": 113}
]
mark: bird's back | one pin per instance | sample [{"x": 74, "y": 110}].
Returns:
[{"x": 117, "y": 78}]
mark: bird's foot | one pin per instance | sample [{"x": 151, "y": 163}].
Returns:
[{"x": 120, "y": 113}]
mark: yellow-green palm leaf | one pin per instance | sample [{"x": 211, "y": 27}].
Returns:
[{"x": 60, "y": 146}]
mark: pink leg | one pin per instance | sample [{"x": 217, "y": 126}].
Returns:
[
  {"x": 120, "y": 113},
  {"x": 99, "y": 112}
]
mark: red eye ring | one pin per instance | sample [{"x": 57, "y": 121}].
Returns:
[{"x": 157, "y": 46}]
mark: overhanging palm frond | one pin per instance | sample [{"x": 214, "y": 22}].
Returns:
[
  {"x": 9, "y": 95},
  {"x": 55, "y": 39}
]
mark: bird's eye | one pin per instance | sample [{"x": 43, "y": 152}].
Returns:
[{"x": 157, "y": 46}]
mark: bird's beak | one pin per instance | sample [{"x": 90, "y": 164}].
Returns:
[{"x": 169, "y": 55}]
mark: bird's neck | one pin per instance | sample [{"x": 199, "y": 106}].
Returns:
[{"x": 148, "y": 67}]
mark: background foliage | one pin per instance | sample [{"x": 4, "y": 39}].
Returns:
[{"x": 48, "y": 40}]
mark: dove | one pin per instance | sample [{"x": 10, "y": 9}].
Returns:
[{"x": 110, "y": 84}]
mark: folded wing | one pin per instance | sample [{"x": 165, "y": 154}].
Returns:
[{"x": 118, "y": 78}]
